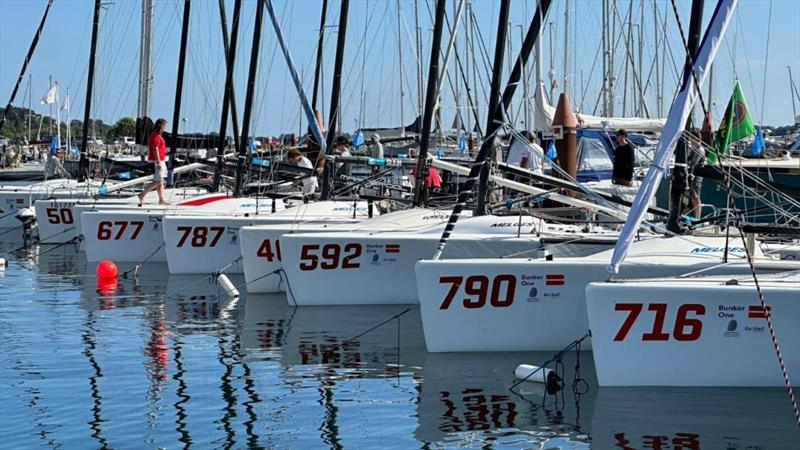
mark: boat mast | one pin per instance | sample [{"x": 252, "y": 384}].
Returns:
[
  {"x": 69, "y": 129},
  {"x": 176, "y": 114},
  {"x": 430, "y": 103},
  {"x": 228, "y": 98},
  {"x": 145, "y": 60},
  {"x": 58, "y": 116},
  {"x": 534, "y": 31},
  {"x": 419, "y": 58},
  {"x": 25, "y": 67},
  {"x": 83, "y": 164},
  {"x": 400, "y": 68},
  {"x": 566, "y": 45},
  {"x": 334, "y": 117},
  {"x": 679, "y": 171},
  {"x": 792, "y": 93},
  {"x": 656, "y": 61},
  {"x": 320, "y": 42},
  {"x": 30, "y": 105},
  {"x": 641, "y": 107},
  {"x": 248, "y": 99},
  {"x": 494, "y": 100},
  {"x": 604, "y": 40},
  {"x": 50, "y": 106},
  {"x": 525, "y": 98},
  {"x": 552, "y": 72}
]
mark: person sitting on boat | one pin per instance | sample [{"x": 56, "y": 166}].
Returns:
[
  {"x": 157, "y": 152},
  {"x": 342, "y": 149},
  {"x": 622, "y": 174},
  {"x": 309, "y": 183},
  {"x": 695, "y": 156},
  {"x": 54, "y": 168}
]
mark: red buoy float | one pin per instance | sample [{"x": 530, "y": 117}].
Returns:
[{"x": 106, "y": 270}]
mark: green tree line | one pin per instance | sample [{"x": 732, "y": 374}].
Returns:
[{"x": 16, "y": 126}]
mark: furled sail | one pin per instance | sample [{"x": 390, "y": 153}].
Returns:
[
  {"x": 676, "y": 120},
  {"x": 545, "y": 111}
]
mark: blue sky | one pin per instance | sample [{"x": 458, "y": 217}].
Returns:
[{"x": 372, "y": 57}]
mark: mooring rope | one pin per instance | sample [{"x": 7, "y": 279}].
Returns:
[{"x": 574, "y": 344}]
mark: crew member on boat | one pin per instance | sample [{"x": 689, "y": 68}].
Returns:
[
  {"x": 157, "y": 152},
  {"x": 342, "y": 149},
  {"x": 525, "y": 153},
  {"x": 623, "y": 161},
  {"x": 309, "y": 183},
  {"x": 375, "y": 146},
  {"x": 54, "y": 168},
  {"x": 696, "y": 156}
]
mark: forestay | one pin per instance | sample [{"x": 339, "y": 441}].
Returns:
[{"x": 678, "y": 114}]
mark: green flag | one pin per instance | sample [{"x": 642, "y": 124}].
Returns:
[{"x": 735, "y": 125}]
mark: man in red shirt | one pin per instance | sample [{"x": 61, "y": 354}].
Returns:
[{"x": 157, "y": 152}]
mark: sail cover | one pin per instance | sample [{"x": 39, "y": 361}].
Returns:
[
  {"x": 678, "y": 114},
  {"x": 544, "y": 112}
]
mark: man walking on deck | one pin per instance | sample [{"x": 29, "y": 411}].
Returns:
[
  {"x": 157, "y": 152},
  {"x": 622, "y": 174}
]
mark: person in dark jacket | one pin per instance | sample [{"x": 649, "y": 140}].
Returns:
[{"x": 623, "y": 161}]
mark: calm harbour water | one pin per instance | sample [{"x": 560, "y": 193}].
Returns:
[{"x": 162, "y": 362}]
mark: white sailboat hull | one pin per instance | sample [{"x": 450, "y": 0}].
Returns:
[
  {"x": 378, "y": 274},
  {"x": 378, "y": 268},
  {"x": 686, "y": 333},
  {"x": 12, "y": 199},
  {"x": 207, "y": 243},
  {"x": 58, "y": 220},
  {"x": 261, "y": 245},
  {"x": 534, "y": 305},
  {"x": 135, "y": 234}
]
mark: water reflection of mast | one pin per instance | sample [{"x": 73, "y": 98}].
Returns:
[
  {"x": 156, "y": 365},
  {"x": 228, "y": 391},
  {"x": 88, "y": 339},
  {"x": 234, "y": 354},
  {"x": 181, "y": 393},
  {"x": 230, "y": 356},
  {"x": 250, "y": 389},
  {"x": 330, "y": 427}
]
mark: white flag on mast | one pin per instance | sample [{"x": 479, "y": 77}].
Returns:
[
  {"x": 66, "y": 105},
  {"x": 51, "y": 96}
]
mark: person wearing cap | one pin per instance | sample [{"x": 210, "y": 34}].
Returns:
[
  {"x": 375, "y": 146},
  {"x": 157, "y": 153},
  {"x": 375, "y": 149},
  {"x": 622, "y": 174},
  {"x": 310, "y": 183}
]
